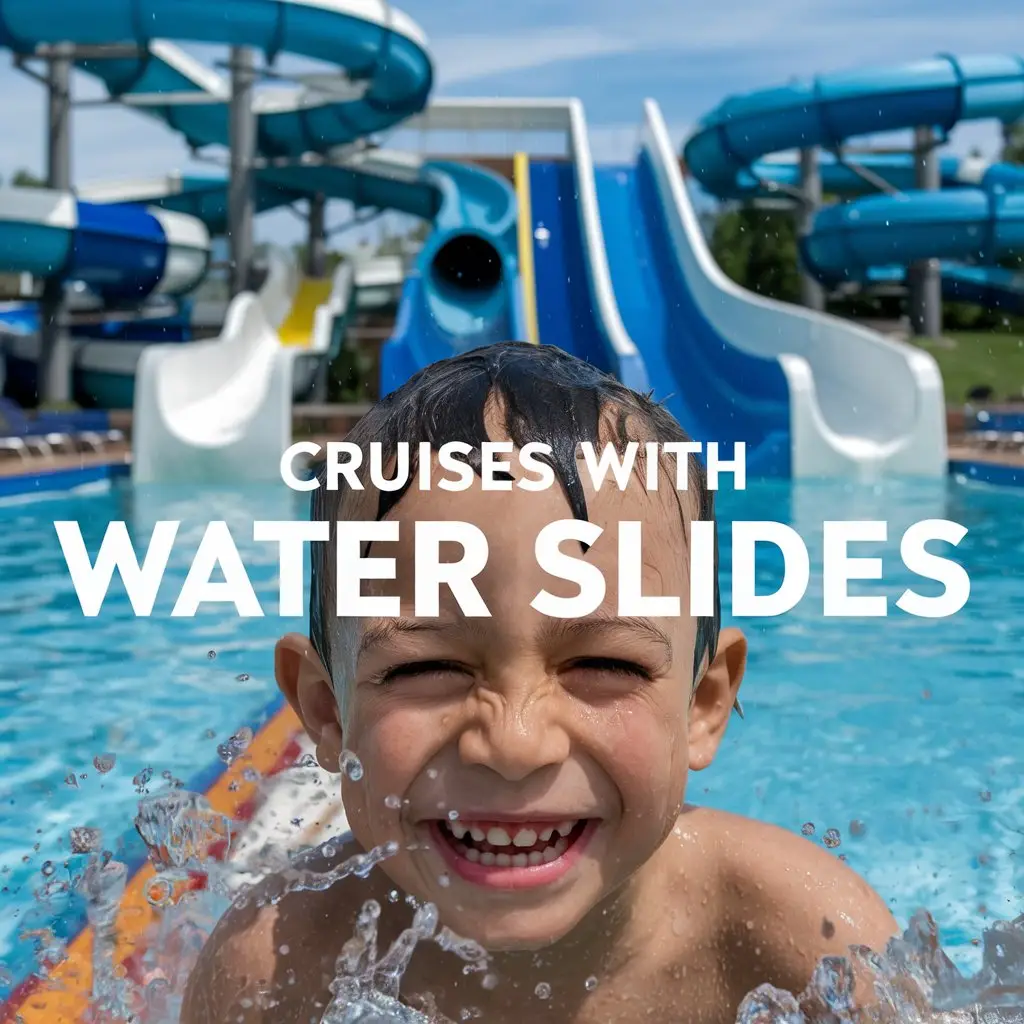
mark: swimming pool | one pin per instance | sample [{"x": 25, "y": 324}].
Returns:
[{"x": 907, "y": 727}]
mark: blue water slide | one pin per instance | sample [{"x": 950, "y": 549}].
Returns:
[
  {"x": 464, "y": 289},
  {"x": 972, "y": 224},
  {"x": 972, "y": 218},
  {"x": 122, "y": 253},
  {"x": 566, "y": 314},
  {"x": 380, "y": 51},
  {"x": 717, "y": 391},
  {"x": 811, "y": 394}
]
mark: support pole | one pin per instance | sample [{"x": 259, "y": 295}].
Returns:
[
  {"x": 242, "y": 130},
  {"x": 53, "y": 382},
  {"x": 316, "y": 248},
  {"x": 812, "y": 295},
  {"x": 924, "y": 281}
]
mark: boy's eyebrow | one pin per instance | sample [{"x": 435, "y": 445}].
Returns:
[
  {"x": 601, "y": 622},
  {"x": 389, "y": 629}
]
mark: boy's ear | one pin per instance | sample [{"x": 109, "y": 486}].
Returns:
[
  {"x": 307, "y": 687},
  {"x": 715, "y": 698}
]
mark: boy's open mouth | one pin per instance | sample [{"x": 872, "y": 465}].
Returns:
[{"x": 511, "y": 854}]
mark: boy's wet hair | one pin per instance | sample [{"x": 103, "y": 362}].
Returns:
[{"x": 545, "y": 395}]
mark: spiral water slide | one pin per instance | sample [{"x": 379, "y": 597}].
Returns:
[
  {"x": 215, "y": 409},
  {"x": 977, "y": 216}
]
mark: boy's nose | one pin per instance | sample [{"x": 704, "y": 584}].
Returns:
[{"x": 515, "y": 737}]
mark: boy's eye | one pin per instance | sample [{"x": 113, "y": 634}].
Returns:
[
  {"x": 418, "y": 668},
  {"x": 617, "y": 665}
]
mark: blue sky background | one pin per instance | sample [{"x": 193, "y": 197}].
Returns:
[{"x": 610, "y": 53}]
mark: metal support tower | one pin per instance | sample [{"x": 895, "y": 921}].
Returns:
[{"x": 924, "y": 281}]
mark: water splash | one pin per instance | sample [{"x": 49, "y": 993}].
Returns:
[
  {"x": 233, "y": 749},
  {"x": 102, "y": 883},
  {"x": 912, "y": 982},
  {"x": 181, "y": 829},
  {"x": 366, "y": 990}
]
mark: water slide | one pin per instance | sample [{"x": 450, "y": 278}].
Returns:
[
  {"x": 975, "y": 217},
  {"x": 383, "y": 74},
  {"x": 809, "y": 394},
  {"x": 126, "y": 256},
  {"x": 464, "y": 289}
]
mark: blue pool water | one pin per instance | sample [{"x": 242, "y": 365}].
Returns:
[{"x": 909, "y": 727}]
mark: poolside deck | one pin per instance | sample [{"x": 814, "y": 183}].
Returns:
[{"x": 325, "y": 422}]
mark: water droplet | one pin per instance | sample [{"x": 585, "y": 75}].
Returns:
[
  {"x": 211, "y": 655},
  {"x": 393, "y": 896},
  {"x": 808, "y": 828},
  {"x": 141, "y": 779},
  {"x": 453, "y": 815},
  {"x": 329, "y": 851},
  {"x": 284, "y": 950},
  {"x": 351, "y": 765},
  {"x": 104, "y": 763},
  {"x": 242, "y": 677},
  {"x": 48, "y": 868},
  {"x": 444, "y": 881},
  {"x": 70, "y": 780},
  {"x": 159, "y": 892},
  {"x": 489, "y": 981},
  {"x": 857, "y": 828},
  {"x": 431, "y": 773},
  {"x": 393, "y": 802},
  {"x": 236, "y": 746},
  {"x": 85, "y": 840},
  {"x": 543, "y": 990},
  {"x": 986, "y": 796},
  {"x": 590, "y": 984},
  {"x": 831, "y": 838},
  {"x": 307, "y": 761}
]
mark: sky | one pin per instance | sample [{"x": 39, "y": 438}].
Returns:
[{"x": 612, "y": 54}]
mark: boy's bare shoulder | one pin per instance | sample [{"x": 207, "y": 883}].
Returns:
[
  {"x": 270, "y": 959},
  {"x": 784, "y": 902}
]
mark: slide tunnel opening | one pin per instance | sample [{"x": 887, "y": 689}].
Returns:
[{"x": 467, "y": 267}]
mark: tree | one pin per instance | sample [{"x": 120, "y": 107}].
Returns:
[
  {"x": 1013, "y": 143},
  {"x": 26, "y": 179},
  {"x": 757, "y": 248}
]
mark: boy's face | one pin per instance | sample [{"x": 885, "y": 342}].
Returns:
[{"x": 561, "y": 746}]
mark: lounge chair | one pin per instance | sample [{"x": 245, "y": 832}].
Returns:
[{"x": 22, "y": 433}]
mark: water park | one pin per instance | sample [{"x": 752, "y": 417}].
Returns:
[{"x": 157, "y": 361}]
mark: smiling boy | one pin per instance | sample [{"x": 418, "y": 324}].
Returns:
[{"x": 532, "y": 769}]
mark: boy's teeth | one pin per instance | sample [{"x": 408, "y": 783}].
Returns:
[
  {"x": 459, "y": 831},
  {"x": 498, "y": 837},
  {"x": 565, "y": 827},
  {"x": 546, "y": 834},
  {"x": 524, "y": 837},
  {"x": 477, "y": 834}
]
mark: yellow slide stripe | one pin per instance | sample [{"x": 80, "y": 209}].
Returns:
[
  {"x": 312, "y": 293},
  {"x": 521, "y": 172}
]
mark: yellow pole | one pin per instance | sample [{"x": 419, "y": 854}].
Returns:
[{"x": 527, "y": 280}]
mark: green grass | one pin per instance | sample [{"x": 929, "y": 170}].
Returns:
[{"x": 969, "y": 358}]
